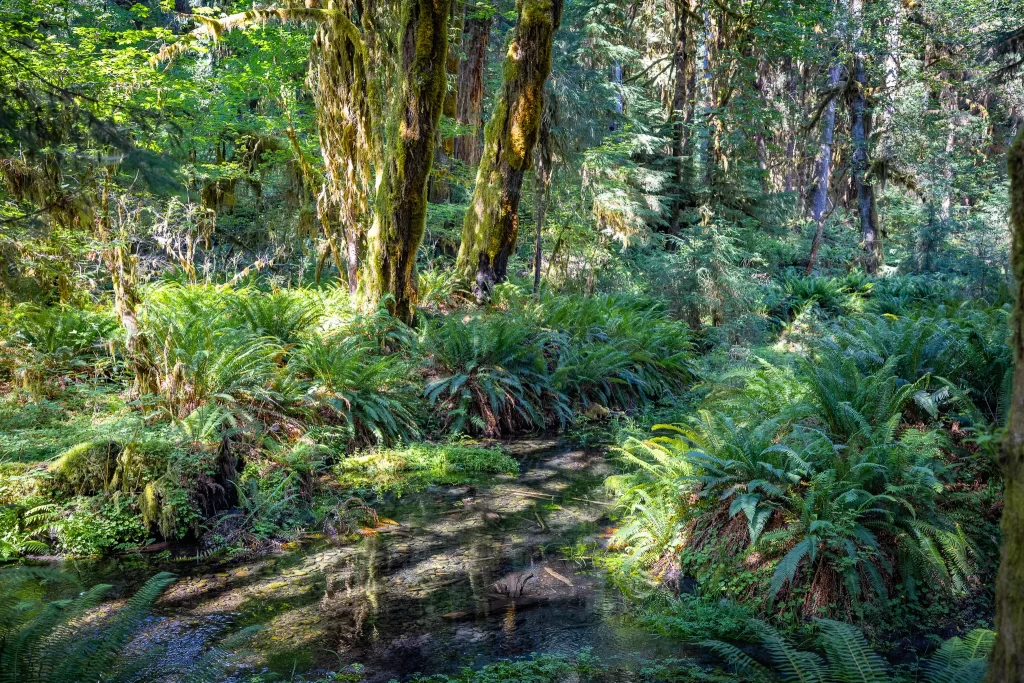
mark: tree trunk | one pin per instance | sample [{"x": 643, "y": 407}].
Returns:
[
  {"x": 822, "y": 169},
  {"x": 400, "y": 208},
  {"x": 469, "y": 106},
  {"x": 125, "y": 281},
  {"x": 860, "y": 130},
  {"x": 678, "y": 118},
  {"x": 439, "y": 191},
  {"x": 492, "y": 221},
  {"x": 1007, "y": 662},
  {"x": 544, "y": 172}
]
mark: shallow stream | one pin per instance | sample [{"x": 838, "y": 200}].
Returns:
[{"x": 463, "y": 577}]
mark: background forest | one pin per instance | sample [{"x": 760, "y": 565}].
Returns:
[{"x": 267, "y": 269}]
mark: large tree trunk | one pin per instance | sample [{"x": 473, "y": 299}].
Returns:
[
  {"x": 860, "y": 130},
  {"x": 822, "y": 169},
  {"x": 1007, "y": 663},
  {"x": 492, "y": 221},
  {"x": 469, "y": 106},
  {"x": 400, "y": 207}
]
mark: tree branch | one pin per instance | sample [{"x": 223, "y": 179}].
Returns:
[{"x": 214, "y": 28}]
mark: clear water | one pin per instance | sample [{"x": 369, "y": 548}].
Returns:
[{"x": 420, "y": 596}]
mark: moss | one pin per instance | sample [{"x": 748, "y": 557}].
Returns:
[
  {"x": 1007, "y": 663},
  {"x": 491, "y": 225},
  {"x": 400, "y": 209},
  {"x": 85, "y": 469}
]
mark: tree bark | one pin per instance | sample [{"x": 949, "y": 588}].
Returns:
[
  {"x": 544, "y": 173},
  {"x": 860, "y": 126},
  {"x": 439, "y": 190},
  {"x": 400, "y": 207},
  {"x": 492, "y": 221},
  {"x": 822, "y": 169},
  {"x": 469, "y": 106},
  {"x": 678, "y": 118},
  {"x": 1007, "y": 661}
]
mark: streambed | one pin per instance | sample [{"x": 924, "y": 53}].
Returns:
[{"x": 463, "y": 577}]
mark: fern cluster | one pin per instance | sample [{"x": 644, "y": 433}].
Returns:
[
  {"x": 843, "y": 654},
  {"x": 74, "y": 639},
  {"x": 840, "y": 500}
]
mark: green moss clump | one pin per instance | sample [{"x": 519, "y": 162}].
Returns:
[{"x": 414, "y": 467}]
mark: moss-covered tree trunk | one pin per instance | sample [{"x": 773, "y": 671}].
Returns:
[
  {"x": 492, "y": 223},
  {"x": 400, "y": 206},
  {"x": 1007, "y": 664},
  {"x": 860, "y": 134},
  {"x": 543, "y": 191},
  {"x": 439, "y": 188},
  {"x": 125, "y": 283}
]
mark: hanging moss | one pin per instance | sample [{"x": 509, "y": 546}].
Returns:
[
  {"x": 400, "y": 207},
  {"x": 491, "y": 225}
]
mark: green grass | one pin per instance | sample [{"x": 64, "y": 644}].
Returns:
[
  {"x": 414, "y": 467},
  {"x": 36, "y": 430}
]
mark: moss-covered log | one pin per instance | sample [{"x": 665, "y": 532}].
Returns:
[
  {"x": 400, "y": 207},
  {"x": 491, "y": 225},
  {"x": 1007, "y": 664}
]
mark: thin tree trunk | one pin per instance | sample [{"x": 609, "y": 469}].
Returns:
[
  {"x": 544, "y": 174},
  {"x": 860, "y": 130},
  {"x": 470, "y": 103},
  {"x": 124, "y": 279},
  {"x": 1007, "y": 661},
  {"x": 492, "y": 221},
  {"x": 678, "y": 118},
  {"x": 822, "y": 169},
  {"x": 439, "y": 191},
  {"x": 790, "y": 163},
  {"x": 400, "y": 209}
]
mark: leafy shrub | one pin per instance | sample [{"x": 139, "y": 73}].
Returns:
[
  {"x": 68, "y": 640},
  {"x": 204, "y": 360},
  {"x": 283, "y": 315},
  {"x": 21, "y": 526},
  {"x": 831, "y": 519},
  {"x": 964, "y": 345},
  {"x": 94, "y": 527},
  {"x": 345, "y": 380},
  {"x": 800, "y": 291},
  {"x": 689, "y": 617},
  {"x": 492, "y": 376},
  {"x": 858, "y": 406},
  {"x": 58, "y": 340},
  {"x": 617, "y": 351},
  {"x": 538, "y": 669},
  {"x": 442, "y": 290}
]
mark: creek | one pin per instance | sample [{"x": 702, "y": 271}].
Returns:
[{"x": 454, "y": 577}]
